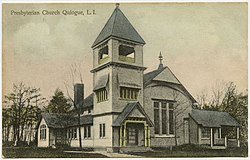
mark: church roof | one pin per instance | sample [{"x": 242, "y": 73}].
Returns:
[
  {"x": 166, "y": 76},
  {"x": 127, "y": 110},
  {"x": 118, "y": 26},
  {"x": 56, "y": 120},
  {"x": 213, "y": 118}
]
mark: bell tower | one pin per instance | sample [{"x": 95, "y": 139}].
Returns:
[{"x": 117, "y": 72}]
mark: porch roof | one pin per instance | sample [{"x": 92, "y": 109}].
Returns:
[
  {"x": 55, "y": 120},
  {"x": 213, "y": 118},
  {"x": 126, "y": 112}
]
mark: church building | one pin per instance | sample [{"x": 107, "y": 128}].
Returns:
[{"x": 130, "y": 109}]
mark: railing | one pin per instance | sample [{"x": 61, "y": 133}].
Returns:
[
  {"x": 103, "y": 60},
  {"x": 126, "y": 59}
]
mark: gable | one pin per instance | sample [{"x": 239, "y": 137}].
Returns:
[
  {"x": 136, "y": 113},
  {"x": 42, "y": 122},
  {"x": 167, "y": 76},
  {"x": 131, "y": 109}
]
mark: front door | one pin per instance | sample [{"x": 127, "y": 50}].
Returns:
[{"x": 132, "y": 135}]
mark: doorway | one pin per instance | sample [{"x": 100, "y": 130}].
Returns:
[{"x": 133, "y": 134}]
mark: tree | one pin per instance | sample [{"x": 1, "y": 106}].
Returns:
[
  {"x": 22, "y": 109},
  {"x": 179, "y": 108},
  {"x": 225, "y": 98},
  {"x": 59, "y": 103},
  {"x": 75, "y": 72}
]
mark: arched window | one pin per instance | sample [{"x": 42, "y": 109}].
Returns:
[{"x": 43, "y": 132}]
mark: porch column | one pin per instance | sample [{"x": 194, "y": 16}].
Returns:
[
  {"x": 211, "y": 137},
  {"x": 121, "y": 137},
  {"x": 220, "y": 132},
  {"x": 148, "y": 136},
  {"x": 124, "y": 135},
  {"x": 145, "y": 133},
  {"x": 238, "y": 136},
  {"x": 225, "y": 141}
]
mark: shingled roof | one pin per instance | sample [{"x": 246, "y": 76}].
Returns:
[
  {"x": 148, "y": 77},
  {"x": 56, "y": 120},
  {"x": 118, "y": 26},
  {"x": 213, "y": 118}
]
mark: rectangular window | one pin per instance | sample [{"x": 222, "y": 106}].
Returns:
[
  {"x": 102, "y": 130},
  {"x": 70, "y": 133},
  {"x": 101, "y": 95},
  {"x": 164, "y": 117},
  {"x": 87, "y": 132},
  {"x": 156, "y": 117},
  {"x": 43, "y": 132},
  {"x": 171, "y": 118},
  {"x": 128, "y": 93},
  {"x": 74, "y": 133},
  {"x": 205, "y": 132}
]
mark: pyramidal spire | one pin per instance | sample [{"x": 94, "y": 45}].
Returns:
[
  {"x": 118, "y": 26},
  {"x": 160, "y": 58}
]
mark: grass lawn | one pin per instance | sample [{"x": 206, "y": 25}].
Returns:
[
  {"x": 194, "y": 151},
  {"x": 12, "y": 152}
]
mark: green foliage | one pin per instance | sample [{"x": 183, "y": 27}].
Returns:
[{"x": 59, "y": 103}]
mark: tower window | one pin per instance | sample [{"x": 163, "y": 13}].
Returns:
[
  {"x": 101, "y": 95},
  {"x": 126, "y": 54},
  {"x": 128, "y": 93},
  {"x": 103, "y": 55}
]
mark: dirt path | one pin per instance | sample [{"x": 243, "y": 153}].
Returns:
[{"x": 111, "y": 155}]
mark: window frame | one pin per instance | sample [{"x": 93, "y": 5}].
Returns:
[
  {"x": 43, "y": 132},
  {"x": 102, "y": 130},
  {"x": 87, "y": 132},
  {"x": 101, "y": 95},
  {"x": 205, "y": 133},
  {"x": 129, "y": 93},
  {"x": 164, "y": 110}
]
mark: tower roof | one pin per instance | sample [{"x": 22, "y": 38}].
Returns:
[{"x": 118, "y": 26}]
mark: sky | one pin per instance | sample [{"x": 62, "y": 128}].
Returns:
[{"x": 201, "y": 43}]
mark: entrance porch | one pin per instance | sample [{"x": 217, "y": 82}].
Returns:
[
  {"x": 134, "y": 132},
  {"x": 132, "y": 129}
]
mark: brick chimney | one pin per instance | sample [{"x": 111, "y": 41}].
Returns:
[{"x": 79, "y": 94}]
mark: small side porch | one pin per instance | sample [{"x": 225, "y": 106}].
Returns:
[
  {"x": 219, "y": 138},
  {"x": 214, "y": 129}
]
